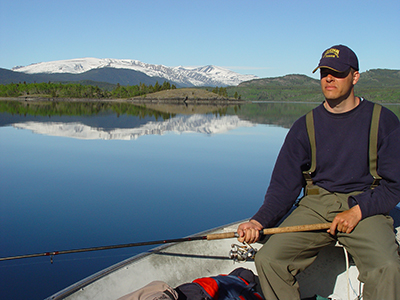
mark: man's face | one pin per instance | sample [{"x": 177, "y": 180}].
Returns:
[{"x": 336, "y": 85}]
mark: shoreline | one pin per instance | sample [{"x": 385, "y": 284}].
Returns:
[
  {"x": 141, "y": 100},
  {"x": 147, "y": 100}
]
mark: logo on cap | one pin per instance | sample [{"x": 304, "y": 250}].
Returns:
[{"x": 332, "y": 52}]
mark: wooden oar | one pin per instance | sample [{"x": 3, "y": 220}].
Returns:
[{"x": 212, "y": 236}]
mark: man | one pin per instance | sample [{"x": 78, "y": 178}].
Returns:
[{"x": 339, "y": 170}]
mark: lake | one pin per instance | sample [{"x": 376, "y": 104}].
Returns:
[{"x": 78, "y": 175}]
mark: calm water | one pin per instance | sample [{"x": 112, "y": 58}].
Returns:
[{"x": 113, "y": 177}]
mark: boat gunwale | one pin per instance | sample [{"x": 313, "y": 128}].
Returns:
[{"x": 115, "y": 267}]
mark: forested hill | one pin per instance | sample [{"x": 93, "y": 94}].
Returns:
[
  {"x": 375, "y": 77},
  {"x": 288, "y": 80},
  {"x": 380, "y": 78},
  {"x": 379, "y": 85}
]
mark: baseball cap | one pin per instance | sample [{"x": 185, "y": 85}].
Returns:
[{"x": 338, "y": 58}]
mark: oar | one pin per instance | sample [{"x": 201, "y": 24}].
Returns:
[{"x": 212, "y": 236}]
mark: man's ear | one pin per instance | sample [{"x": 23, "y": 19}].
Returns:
[{"x": 356, "y": 77}]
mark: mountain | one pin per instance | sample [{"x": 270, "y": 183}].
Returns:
[
  {"x": 125, "y": 71},
  {"x": 8, "y": 76},
  {"x": 100, "y": 77}
]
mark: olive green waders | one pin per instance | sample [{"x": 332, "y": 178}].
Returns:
[{"x": 372, "y": 244}]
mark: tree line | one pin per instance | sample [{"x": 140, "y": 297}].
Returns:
[
  {"x": 77, "y": 90},
  {"x": 223, "y": 91},
  {"x": 79, "y": 108}
]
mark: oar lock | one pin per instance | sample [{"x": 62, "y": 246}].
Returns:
[{"x": 242, "y": 253}]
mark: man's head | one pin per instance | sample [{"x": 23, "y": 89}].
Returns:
[
  {"x": 339, "y": 74},
  {"x": 338, "y": 58}
]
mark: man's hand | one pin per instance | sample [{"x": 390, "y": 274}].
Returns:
[
  {"x": 346, "y": 221},
  {"x": 249, "y": 232}
]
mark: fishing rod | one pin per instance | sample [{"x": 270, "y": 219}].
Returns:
[{"x": 212, "y": 236}]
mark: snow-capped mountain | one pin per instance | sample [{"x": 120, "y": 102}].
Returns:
[{"x": 185, "y": 76}]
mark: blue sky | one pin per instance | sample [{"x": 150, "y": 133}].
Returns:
[{"x": 264, "y": 38}]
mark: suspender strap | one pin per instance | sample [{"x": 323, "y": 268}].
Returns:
[
  {"x": 373, "y": 145},
  {"x": 311, "y": 137}
]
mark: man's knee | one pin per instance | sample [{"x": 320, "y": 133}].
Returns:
[
  {"x": 390, "y": 269},
  {"x": 268, "y": 259},
  {"x": 383, "y": 282},
  {"x": 271, "y": 260},
  {"x": 263, "y": 257},
  {"x": 383, "y": 264}
]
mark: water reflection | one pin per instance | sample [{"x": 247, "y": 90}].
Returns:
[
  {"x": 62, "y": 193},
  {"x": 87, "y": 120},
  {"x": 206, "y": 124}
]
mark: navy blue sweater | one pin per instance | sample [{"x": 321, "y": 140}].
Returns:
[{"x": 342, "y": 142}]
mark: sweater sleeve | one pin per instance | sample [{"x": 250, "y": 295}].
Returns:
[
  {"x": 385, "y": 196},
  {"x": 287, "y": 178}
]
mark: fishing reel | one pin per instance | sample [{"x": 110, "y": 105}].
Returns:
[{"x": 242, "y": 253}]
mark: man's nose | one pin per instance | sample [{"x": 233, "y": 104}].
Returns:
[{"x": 329, "y": 78}]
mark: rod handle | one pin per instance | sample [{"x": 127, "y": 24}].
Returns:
[
  {"x": 218, "y": 236},
  {"x": 269, "y": 231},
  {"x": 297, "y": 228}
]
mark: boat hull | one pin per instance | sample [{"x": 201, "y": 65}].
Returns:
[{"x": 183, "y": 262}]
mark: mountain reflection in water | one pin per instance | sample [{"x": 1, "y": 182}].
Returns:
[
  {"x": 128, "y": 121},
  {"x": 207, "y": 124}
]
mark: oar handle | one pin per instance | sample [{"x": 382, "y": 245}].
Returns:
[{"x": 268, "y": 231}]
